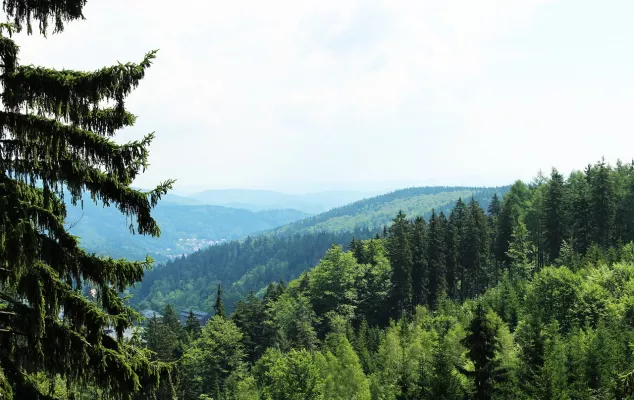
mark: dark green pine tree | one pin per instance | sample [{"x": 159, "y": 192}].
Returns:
[
  {"x": 162, "y": 340},
  {"x": 508, "y": 217},
  {"x": 358, "y": 250},
  {"x": 494, "y": 209},
  {"x": 192, "y": 326},
  {"x": 249, "y": 315},
  {"x": 56, "y": 139},
  {"x": 456, "y": 243},
  {"x": 602, "y": 204},
  {"x": 495, "y": 206},
  {"x": 436, "y": 258},
  {"x": 554, "y": 215},
  {"x": 420, "y": 270},
  {"x": 219, "y": 306},
  {"x": 578, "y": 211},
  {"x": 624, "y": 177},
  {"x": 482, "y": 343},
  {"x": 400, "y": 256},
  {"x": 475, "y": 259}
]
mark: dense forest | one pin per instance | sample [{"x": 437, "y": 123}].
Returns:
[
  {"x": 375, "y": 212},
  {"x": 525, "y": 295},
  {"x": 531, "y": 298},
  {"x": 251, "y": 264}
]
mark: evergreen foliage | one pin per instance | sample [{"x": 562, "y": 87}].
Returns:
[
  {"x": 490, "y": 327},
  {"x": 56, "y": 129}
]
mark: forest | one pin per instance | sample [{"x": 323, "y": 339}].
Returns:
[
  {"x": 525, "y": 295},
  {"x": 283, "y": 253},
  {"x": 531, "y": 298}
]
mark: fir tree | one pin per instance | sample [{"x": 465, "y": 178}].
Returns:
[
  {"x": 420, "y": 270},
  {"x": 602, "y": 204},
  {"x": 436, "y": 258},
  {"x": 219, "y": 307},
  {"x": 495, "y": 206},
  {"x": 475, "y": 260},
  {"x": 554, "y": 216},
  {"x": 56, "y": 139},
  {"x": 192, "y": 326},
  {"x": 578, "y": 211},
  {"x": 482, "y": 344},
  {"x": 400, "y": 256}
]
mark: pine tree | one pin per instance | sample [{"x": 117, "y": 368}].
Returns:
[
  {"x": 400, "y": 256},
  {"x": 482, "y": 344},
  {"x": 192, "y": 326},
  {"x": 420, "y": 270},
  {"x": 456, "y": 238},
  {"x": 602, "y": 204},
  {"x": 495, "y": 206},
  {"x": 56, "y": 139},
  {"x": 518, "y": 254},
  {"x": 578, "y": 211},
  {"x": 436, "y": 258},
  {"x": 219, "y": 307},
  {"x": 554, "y": 216},
  {"x": 475, "y": 259}
]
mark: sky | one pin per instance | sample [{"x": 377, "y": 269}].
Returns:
[{"x": 299, "y": 96}]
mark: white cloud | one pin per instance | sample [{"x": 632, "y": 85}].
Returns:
[{"x": 272, "y": 93}]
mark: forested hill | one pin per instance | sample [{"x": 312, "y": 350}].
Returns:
[
  {"x": 530, "y": 298},
  {"x": 185, "y": 228},
  {"x": 375, "y": 212},
  {"x": 283, "y": 254}
]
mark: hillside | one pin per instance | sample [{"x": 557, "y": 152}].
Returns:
[
  {"x": 532, "y": 300},
  {"x": 286, "y": 252},
  {"x": 378, "y": 211},
  {"x": 184, "y": 228},
  {"x": 257, "y": 200}
]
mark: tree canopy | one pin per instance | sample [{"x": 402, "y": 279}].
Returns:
[{"x": 56, "y": 129}]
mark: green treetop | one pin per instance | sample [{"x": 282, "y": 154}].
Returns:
[
  {"x": 55, "y": 137},
  {"x": 219, "y": 307}
]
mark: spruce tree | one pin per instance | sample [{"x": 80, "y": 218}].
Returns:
[
  {"x": 495, "y": 206},
  {"x": 578, "y": 211},
  {"x": 436, "y": 258},
  {"x": 475, "y": 259},
  {"x": 554, "y": 216},
  {"x": 56, "y": 141},
  {"x": 602, "y": 204},
  {"x": 400, "y": 256},
  {"x": 420, "y": 270},
  {"x": 192, "y": 326},
  {"x": 452, "y": 246},
  {"x": 482, "y": 345},
  {"x": 457, "y": 243},
  {"x": 219, "y": 306}
]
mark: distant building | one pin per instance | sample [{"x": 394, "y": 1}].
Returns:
[{"x": 201, "y": 315}]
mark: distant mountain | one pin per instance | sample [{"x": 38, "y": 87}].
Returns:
[
  {"x": 180, "y": 200},
  {"x": 185, "y": 228},
  {"x": 256, "y": 200},
  {"x": 285, "y": 252},
  {"x": 377, "y": 211}
]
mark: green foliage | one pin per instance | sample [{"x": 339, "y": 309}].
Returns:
[
  {"x": 379, "y": 211},
  {"x": 56, "y": 138},
  {"x": 470, "y": 322},
  {"x": 341, "y": 371},
  {"x": 292, "y": 376},
  {"x": 210, "y": 360}
]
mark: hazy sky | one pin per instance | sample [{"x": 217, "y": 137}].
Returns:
[{"x": 306, "y": 95}]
